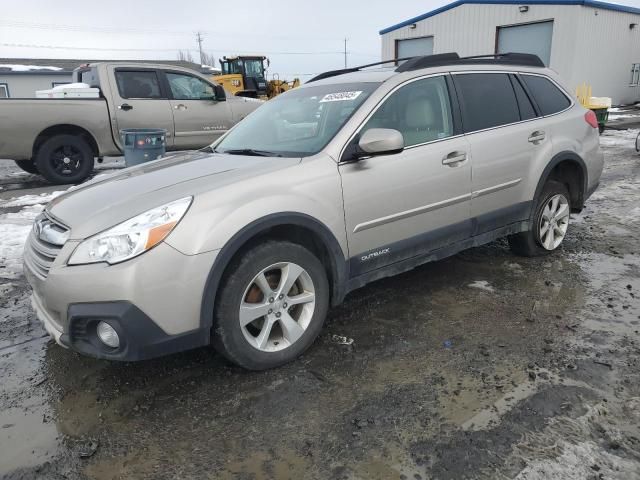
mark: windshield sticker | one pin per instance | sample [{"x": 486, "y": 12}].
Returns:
[{"x": 340, "y": 96}]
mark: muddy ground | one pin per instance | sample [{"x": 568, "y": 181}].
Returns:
[{"x": 484, "y": 365}]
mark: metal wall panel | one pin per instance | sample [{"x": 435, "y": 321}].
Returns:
[{"x": 586, "y": 47}]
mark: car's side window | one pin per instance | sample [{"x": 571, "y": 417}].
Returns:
[
  {"x": 527, "y": 112},
  {"x": 488, "y": 100},
  {"x": 549, "y": 98},
  {"x": 141, "y": 84},
  {"x": 421, "y": 111},
  {"x": 188, "y": 87}
]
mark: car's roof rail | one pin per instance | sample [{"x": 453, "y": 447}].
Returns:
[
  {"x": 441, "y": 59},
  {"x": 333, "y": 73},
  {"x": 524, "y": 59}
]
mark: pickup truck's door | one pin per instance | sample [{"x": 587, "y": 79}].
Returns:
[
  {"x": 140, "y": 101},
  {"x": 199, "y": 117}
]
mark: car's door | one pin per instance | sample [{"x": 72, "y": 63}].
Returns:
[
  {"x": 140, "y": 102},
  {"x": 199, "y": 116},
  {"x": 505, "y": 135},
  {"x": 403, "y": 205}
]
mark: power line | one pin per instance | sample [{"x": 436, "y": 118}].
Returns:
[
  {"x": 174, "y": 49},
  {"x": 158, "y": 30}
]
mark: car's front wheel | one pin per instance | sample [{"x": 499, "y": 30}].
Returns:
[
  {"x": 550, "y": 223},
  {"x": 271, "y": 306}
]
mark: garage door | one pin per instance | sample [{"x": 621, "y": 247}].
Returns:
[
  {"x": 531, "y": 38},
  {"x": 413, "y": 47}
]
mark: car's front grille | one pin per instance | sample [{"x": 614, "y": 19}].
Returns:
[{"x": 43, "y": 245}]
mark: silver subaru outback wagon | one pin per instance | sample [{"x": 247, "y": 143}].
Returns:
[{"x": 357, "y": 175}]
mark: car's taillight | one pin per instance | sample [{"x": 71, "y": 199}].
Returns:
[{"x": 591, "y": 119}]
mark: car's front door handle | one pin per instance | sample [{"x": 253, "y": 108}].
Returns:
[
  {"x": 180, "y": 106},
  {"x": 536, "y": 137},
  {"x": 125, "y": 107},
  {"x": 454, "y": 158}
]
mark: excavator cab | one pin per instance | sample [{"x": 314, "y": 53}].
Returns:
[{"x": 244, "y": 76}]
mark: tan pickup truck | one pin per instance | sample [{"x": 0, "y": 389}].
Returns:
[{"x": 60, "y": 138}]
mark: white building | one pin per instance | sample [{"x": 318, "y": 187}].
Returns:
[{"x": 585, "y": 41}]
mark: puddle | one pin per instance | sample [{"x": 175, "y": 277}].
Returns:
[{"x": 27, "y": 440}]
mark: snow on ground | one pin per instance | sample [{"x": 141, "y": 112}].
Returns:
[
  {"x": 613, "y": 138},
  {"x": 482, "y": 285},
  {"x": 14, "y": 229},
  {"x": 27, "y": 200}
]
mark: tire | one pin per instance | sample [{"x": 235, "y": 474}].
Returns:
[
  {"x": 248, "y": 346},
  {"x": 28, "y": 166},
  {"x": 65, "y": 159},
  {"x": 535, "y": 242}
]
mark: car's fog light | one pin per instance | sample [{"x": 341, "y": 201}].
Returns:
[{"x": 108, "y": 335}]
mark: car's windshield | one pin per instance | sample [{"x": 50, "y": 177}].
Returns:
[{"x": 298, "y": 123}]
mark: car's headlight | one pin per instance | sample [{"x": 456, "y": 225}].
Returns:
[{"x": 133, "y": 237}]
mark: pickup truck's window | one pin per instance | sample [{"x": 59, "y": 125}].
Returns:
[
  {"x": 143, "y": 84},
  {"x": 549, "y": 98},
  {"x": 420, "y": 110},
  {"x": 297, "y": 123},
  {"x": 188, "y": 87},
  {"x": 488, "y": 100}
]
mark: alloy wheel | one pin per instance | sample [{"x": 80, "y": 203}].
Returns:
[
  {"x": 554, "y": 222},
  {"x": 66, "y": 160},
  {"x": 277, "y": 307}
]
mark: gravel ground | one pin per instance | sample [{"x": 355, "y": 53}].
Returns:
[{"x": 484, "y": 365}]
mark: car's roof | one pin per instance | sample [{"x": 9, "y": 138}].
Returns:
[{"x": 379, "y": 75}]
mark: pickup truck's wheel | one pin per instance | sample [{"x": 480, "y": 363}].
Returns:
[
  {"x": 550, "y": 223},
  {"x": 271, "y": 306},
  {"x": 28, "y": 166},
  {"x": 65, "y": 159}
]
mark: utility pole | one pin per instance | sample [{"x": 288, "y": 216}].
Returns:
[
  {"x": 199, "y": 40},
  {"x": 345, "y": 53}
]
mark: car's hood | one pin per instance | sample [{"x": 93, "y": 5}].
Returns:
[{"x": 113, "y": 198}]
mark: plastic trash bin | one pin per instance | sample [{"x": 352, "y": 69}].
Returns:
[{"x": 143, "y": 144}]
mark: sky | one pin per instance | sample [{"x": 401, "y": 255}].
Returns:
[{"x": 300, "y": 38}]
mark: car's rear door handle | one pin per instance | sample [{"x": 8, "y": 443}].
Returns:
[
  {"x": 454, "y": 158},
  {"x": 180, "y": 106},
  {"x": 125, "y": 107},
  {"x": 536, "y": 137}
]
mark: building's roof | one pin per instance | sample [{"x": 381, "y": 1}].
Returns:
[
  {"x": 585, "y": 3},
  {"x": 66, "y": 66}
]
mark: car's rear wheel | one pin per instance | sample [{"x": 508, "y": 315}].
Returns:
[
  {"x": 271, "y": 306},
  {"x": 550, "y": 223},
  {"x": 65, "y": 159},
  {"x": 28, "y": 166}
]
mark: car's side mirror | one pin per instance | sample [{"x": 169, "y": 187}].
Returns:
[
  {"x": 221, "y": 95},
  {"x": 381, "y": 141}
]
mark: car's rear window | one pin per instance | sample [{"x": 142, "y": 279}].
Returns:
[
  {"x": 488, "y": 100},
  {"x": 549, "y": 98}
]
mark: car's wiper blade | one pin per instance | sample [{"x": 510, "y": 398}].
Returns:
[{"x": 251, "y": 151}]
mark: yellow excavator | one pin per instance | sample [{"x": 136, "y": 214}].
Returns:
[{"x": 245, "y": 76}]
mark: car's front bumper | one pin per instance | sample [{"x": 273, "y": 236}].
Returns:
[{"x": 153, "y": 301}]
